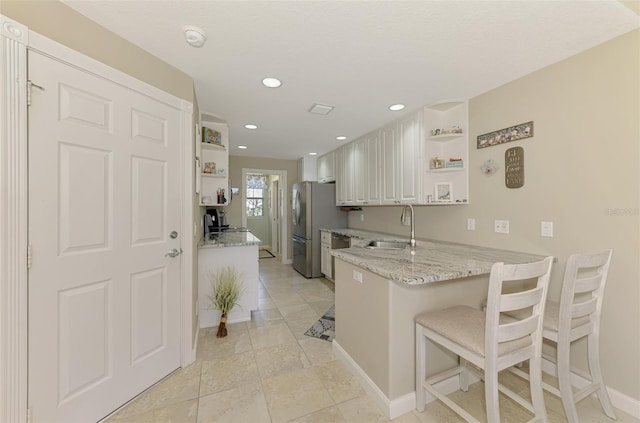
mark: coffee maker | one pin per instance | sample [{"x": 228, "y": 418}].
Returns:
[{"x": 214, "y": 221}]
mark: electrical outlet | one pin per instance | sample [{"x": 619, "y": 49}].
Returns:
[
  {"x": 501, "y": 226},
  {"x": 357, "y": 276},
  {"x": 546, "y": 229},
  {"x": 361, "y": 217},
  {"x": 471, "y": 224},
  {"x": 407, "y": 220}
]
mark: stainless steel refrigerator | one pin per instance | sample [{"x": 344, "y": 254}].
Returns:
[{"x": 314, "y": 207}]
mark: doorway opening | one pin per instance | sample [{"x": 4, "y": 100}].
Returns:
[{"x": 264, "y": 210}]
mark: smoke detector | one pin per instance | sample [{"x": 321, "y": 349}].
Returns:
[{"x": 194, "y": 36}]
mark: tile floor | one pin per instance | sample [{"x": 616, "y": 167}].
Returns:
[{"x": 267, "y": 370}]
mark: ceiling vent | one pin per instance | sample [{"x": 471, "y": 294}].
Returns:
[{"x": 320, "y": 109}]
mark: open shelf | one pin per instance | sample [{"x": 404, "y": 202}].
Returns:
[
  {"x": 447, "y": 169},
  {"x": 211, "y": 146},
  {"x": 210, "y": 175},
  {"x": 445, "y": 137}
]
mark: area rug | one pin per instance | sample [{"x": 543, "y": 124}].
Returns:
[
  {"x": 265, "y": 254},
  {"x": 325, "y": 328}
]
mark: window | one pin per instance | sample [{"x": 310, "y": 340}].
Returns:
[{"x": 256, "y": 189}]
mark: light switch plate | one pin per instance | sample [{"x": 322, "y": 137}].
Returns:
[
  {"x": 501, "y": 226},
  {"x": 471, "y": 224},
  {"x": 546, "y": 229}
]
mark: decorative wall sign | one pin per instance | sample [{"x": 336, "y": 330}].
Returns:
[
  {"x": 513, "y": 133},
  {"x": 514, "y": 167}
]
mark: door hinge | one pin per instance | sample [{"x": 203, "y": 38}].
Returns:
[
  {"x": 29, "y": 85},
  {"x": 29, "y": 256}
]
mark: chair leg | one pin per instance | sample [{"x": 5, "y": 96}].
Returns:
[
  {"x": 535, "y": 384},
  {"x": 564, "y": 381},
  {"x": 420, "y": 368},
  {"x": 491, "y": 395},
  {"x": 596, "y": 375},
  {"x": 464, "y": 375}
]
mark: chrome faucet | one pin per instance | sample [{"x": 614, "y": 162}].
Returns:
[{"x": 412, "y": 241}]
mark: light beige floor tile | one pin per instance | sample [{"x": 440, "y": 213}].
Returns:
[
  {"x": 266, "y": 303},
  {"x": 243, "y": 404},
  {"x": 291, "y": 311},
  {"x": 181, "y": 386},
  {"x": 264, "y": 318},
  {"x": 338, "y": 381},
  {"x": 302, "y": 324},
  {"x": 268, "y": 336},
  {"x": 361, "y": 410},
  {"x": 288, "y": 299},
  {"x": 322, "y": 306},
  {"x": 473, "y": 402},
  {"x": 318, "y": 351},
  {"x": 183, "y": 412},
  {"x": 437, "y": 412},
  {"x": 280, "y": 359},
  {"x": 295, "y": 394},
  {"x": 236, "y": 341},
  {"x": 232, "y": 371},
  {"x": 326, "y": 415},
  {"x": 408, "y": 418}
]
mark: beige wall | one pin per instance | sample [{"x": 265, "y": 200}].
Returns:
[
  {"x": 581, "y": 172},
  {"x": 59, "y": 22},
  {"x": 237, "y": 163}
]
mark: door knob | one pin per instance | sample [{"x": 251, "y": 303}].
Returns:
[{"x": 174, "y": 252}]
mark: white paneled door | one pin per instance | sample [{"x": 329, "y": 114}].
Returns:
[{"x": 104, "y": 296}]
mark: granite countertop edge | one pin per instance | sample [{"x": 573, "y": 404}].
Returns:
[
  {"x": 229, "y": 239},
  {"x": 431, "y": 261}
]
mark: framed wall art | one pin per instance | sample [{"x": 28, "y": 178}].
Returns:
[
  {"x": 443, "y": 192},
  {"x": 512, "y": 133}
]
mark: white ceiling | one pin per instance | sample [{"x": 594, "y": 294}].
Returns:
[{"x": 359, "y": 56}]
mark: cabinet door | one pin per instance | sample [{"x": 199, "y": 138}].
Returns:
[
  {"x": 410, "y": 172},
  {"x": 339, "y": 175},
  {"x": 373, "y": 188},
  {"x": 361, "y": 170},
  {"x": 325, "y": 261},
  {"x": 348, "y": 173},
  {"x": 325, "y": 168},
  {"x": 389, "y": 162}
]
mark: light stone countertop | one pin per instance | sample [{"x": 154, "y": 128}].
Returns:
[
  {"x": 431, "y": 261},
  {"x": 229, "y": 239}
]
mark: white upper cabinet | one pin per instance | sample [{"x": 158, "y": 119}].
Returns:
[
  {"x": 421, "y": 158},
  {"x": 325, "y": 168},
  {"x": 373, "y": 191},
  {"x": 308, "y": 169}
]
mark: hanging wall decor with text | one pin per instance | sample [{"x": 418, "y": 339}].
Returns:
[
  {"x": 513, "y": 133},
  {"x": 514, "y": 167}
]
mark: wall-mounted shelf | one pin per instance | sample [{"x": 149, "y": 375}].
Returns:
[
  {"x": 211, "y": 175},
  {"x": 447, "y": 169},
  {"x": 445, "y": 137},
  {"x": 211, "y": 146}
]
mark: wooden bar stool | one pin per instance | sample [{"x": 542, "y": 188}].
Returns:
[
  {"x": 482, "y": 339},
  {"x": 576, "y": 316}
]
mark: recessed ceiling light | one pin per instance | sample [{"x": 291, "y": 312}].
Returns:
[
  {"x": 396, "y": 107},
  {"x": 242, "y": 147},
  {"x": 341, "y": 138},
  {"x": 194, "y": 36},
  {"x": 271, "y": 82},
  {"x": 251, "y": 126},
  {"x": 313, "y": 154}
]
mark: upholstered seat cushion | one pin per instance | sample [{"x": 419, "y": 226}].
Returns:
[{"x": 465, "y": 326}]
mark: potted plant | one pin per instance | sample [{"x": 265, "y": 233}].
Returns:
[{"x": 226, "y": 288}]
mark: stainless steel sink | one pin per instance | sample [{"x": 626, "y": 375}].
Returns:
[{"x": 388, "y": 245}]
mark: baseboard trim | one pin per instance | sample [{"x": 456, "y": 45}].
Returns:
[
  {"x": 619, "y": 400},
  {"x": 397, "y": 406}
]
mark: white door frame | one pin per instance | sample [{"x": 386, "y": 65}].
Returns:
[
  {"x": 15, "y": 256},
  {"x": 284, "y": 250}
]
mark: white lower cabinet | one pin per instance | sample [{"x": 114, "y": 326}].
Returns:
[
  {"x": 245, "y": 260},
  {"x": 326, "y": 266}
]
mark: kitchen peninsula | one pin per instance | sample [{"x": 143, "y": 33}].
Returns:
[
  {"x": 378, "y": 292},
  {"x": 235, "y": 248}
]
